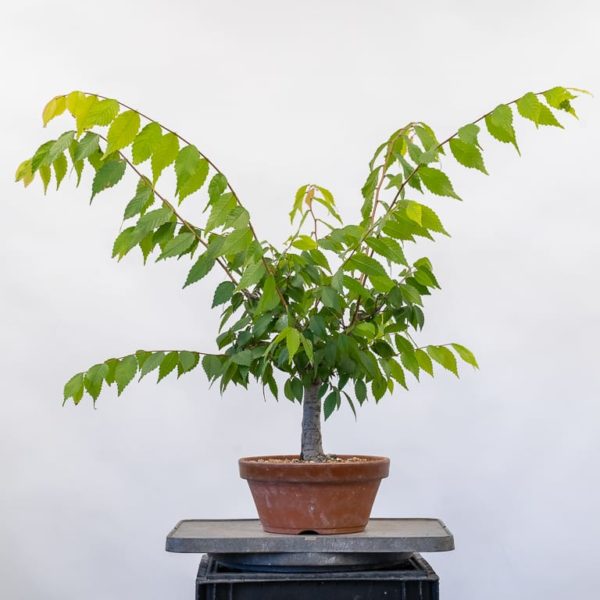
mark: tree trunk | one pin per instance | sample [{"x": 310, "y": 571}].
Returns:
[{"x": 312, "y": 448}]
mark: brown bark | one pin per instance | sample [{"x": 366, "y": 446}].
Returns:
[{"x": 312, "y": 448}]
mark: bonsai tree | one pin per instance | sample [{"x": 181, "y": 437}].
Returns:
[{"x": 338, "y": 309}]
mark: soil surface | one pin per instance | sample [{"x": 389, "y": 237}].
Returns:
[{"x": 329, "y": 458}]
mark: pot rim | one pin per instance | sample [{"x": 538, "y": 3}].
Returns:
[{"x": 373, "y": 468}]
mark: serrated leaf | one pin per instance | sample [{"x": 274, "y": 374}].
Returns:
[
  {"x": 252, "y": 275},
  {"x": 330, "y": 404},
  {"x": 187, "y": 362},
  {"x": 165, "y": 153},
  {"x": 102, "y": 112},
  {"x": 154, "y": 219},
  {"x": 45, "y": 175},
  {"x": 143, "y": 199},
  {"x": 177, "y": 245},
  {"x": 499, "y": 124},
  {"x": 531, "y": 108},
  {"x": 397, "y": 372},
  {"x": 54, "y": 108},
  {"x": 304, "y": 242},
  {"x": 424, "y": 361},
  {"x": 243, "y": 358},
  {"x": 217, "y": 185},
  {"x": 469, "y": 133},
  {"x": 74, "y": 388},
  {"x": 168, "y": 364},
  {"x": 221, "y": 209},
  {"x": 59, "y": 146},
  {"x": 443, "y": 356},
  {"x": 236, "y": 241},
  {"x": 152, "y": 362},
  {"x": 388, "y": 248},
  {"x": 270, "y": 298},
  {"x": 122, "y": 131},
  {"x": 24, "y": 173},
  {"x": 108, "y": 175},
  {"x": 360, "y": 391},
  {"x": 201, "y": 268},
  {"x": 465, "y": 354},
  {"x": 191, "y": 170},
  {"x": 125, "y": 372},
  {"x": 39, "y": 158},
  {"x": 145, "y": 142},
  {"x": 292, "y": 341},
  {"x": 467, "y": 154},
  {"x": 212, "y": 366},
  {"x": 560, "y": 98},
  {"x": 223, "y": 293},
  {"x": 60, "y": 168},
  {"x": 88, "y": 145},
  {"x": 437, "y": 182},
  {"x": 94, "y": 378}
]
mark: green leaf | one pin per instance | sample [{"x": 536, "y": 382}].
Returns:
[
  {"x": 122, "y": 131},
  {"x": 145, "y": 142},
  {"x": 360, "y": 391},
  {"x": 531, "y": 108},
  {"x": 168, "y": 364},
  {"x": 108, "y": 175},
  {"x": 94, "y": 378},
  {"x": 243, "y": 358},
  {"x": 292, "y": 341},
  {"x": 187, "y": 362},
  {"x": 217, "y": 185},
  {"x": 252, "y": 275},
  {"x": 223, "y": 293},
  {"x": 221, "y": 209},
  {"x": 177, "y": 245},
  {"x": 397, "y": 372},
  {"x": 45, "y": 175},
  {"x": 304, "y": 242},
  {"x": 467, "y": 154},
  {"x": 74, "y": 388},
  {"x": 424, "y": 361},
  {"x": 54, "y": 108},
  {"x": 269, "y": 299},
  {"x": 59, "y": 146},
  {"x": 331, "y": 298},
  {"x": 60, "y": 168},
  {"x": 499, "y": 124},
  {"x": 444, "y": 357},
  {"x": 191, "y": 170},
  {"x": 330, "y": 404},
  {"x": 212, "y": 366},
  {"x": 201, "y": 268},
  {"x": 410, "y": 294},
  {"x": 437, "y": 182},
  {"x": 165, "y": 153},
  {"x": 235, "y": 242},
  {"x": 39, "y": 158},
  {"x": 102, "y": 112},
  {"x": 468, "y": 134},
  {"x": 88, "y": 145},
  {"x": 466, "y": 355},
  {"x": 24, "y": 173},
  {"x": 388, "y": 248},
  {"x": 143, "y": 199},
  {"x": 365, "y": 264},
  {"x": 125, "y": 372},
  {"x": 152, "y": 362},
  {"x": 154, "y": 219},
  {"x": 560, "y": 98}
]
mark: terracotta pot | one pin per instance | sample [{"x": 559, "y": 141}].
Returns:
[{"x": 330, "y": 497}]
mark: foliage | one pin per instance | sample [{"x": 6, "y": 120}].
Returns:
[{"x": 339, "y": 305}]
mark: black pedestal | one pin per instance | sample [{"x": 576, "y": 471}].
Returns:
[{"x": 412, "y": 579}]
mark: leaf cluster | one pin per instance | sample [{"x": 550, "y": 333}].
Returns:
[{"x": 339, "y": 305}]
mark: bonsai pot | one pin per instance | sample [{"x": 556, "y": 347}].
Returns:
[{"x": 301, "y": 497}]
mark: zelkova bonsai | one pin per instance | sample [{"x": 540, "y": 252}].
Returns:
[{"x": 335, "y": 310}]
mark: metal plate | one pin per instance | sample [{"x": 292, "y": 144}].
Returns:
[{"x": 247, "y": 536}]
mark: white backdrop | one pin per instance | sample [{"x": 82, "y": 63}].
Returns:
[{"x": 280, "y": 94}]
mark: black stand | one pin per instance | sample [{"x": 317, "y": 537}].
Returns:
[{"x": 242, "y": 562}]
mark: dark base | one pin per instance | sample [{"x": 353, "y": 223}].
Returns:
[{"x": 413, "y": 579}]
